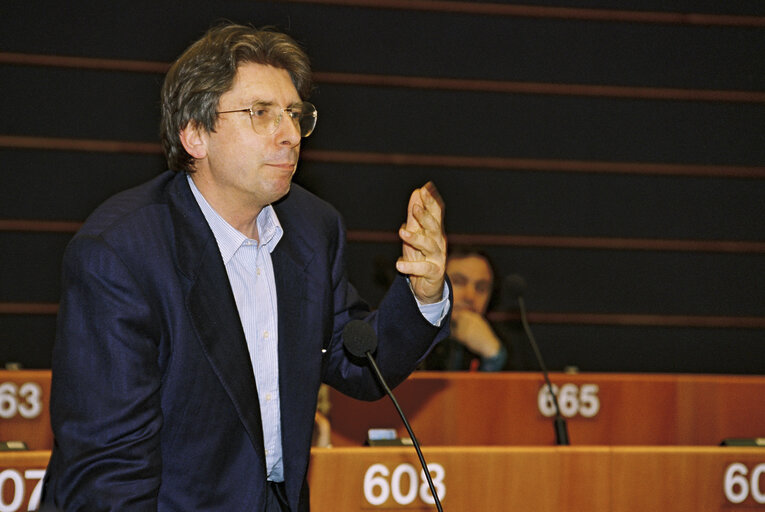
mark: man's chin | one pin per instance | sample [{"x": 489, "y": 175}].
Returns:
[{"x": 282, "y": 192}]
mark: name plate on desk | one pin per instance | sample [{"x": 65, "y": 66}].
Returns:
[
  {"x": 541, "y": 479},
  {"x": 573, "y": 400},
  {"x": 745, "y": 482},
  {"x": 24, "y": 408},
  {"x": 465, "y": 478},
  {"x": 21, "y": 476}
]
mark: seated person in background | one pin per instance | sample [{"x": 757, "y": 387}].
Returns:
[{"x": 474, "y": 344}]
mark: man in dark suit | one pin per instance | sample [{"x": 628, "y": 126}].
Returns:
[{"x": 201, "y": 311}]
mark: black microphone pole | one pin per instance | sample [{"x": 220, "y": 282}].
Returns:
[
  {"x": 516, "y": 284},
  {"x": 360, "y": 339}
]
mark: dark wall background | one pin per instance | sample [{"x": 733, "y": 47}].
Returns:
[{"x": 612, "y": 153}]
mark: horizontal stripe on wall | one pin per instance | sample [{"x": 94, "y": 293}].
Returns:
[
  {"x": 453, "y": 161},
  {"x": 566, "y": 13},
  {"x": 414, "y": 82},
  {"x": 722, "y": 322},
  {"x": 564, "y": 242},
  {"x": 29, "y": 308},
  {"x": 559, "y": 242}
]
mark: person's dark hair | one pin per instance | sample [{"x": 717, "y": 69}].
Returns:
[
  {"x": 465, "y": 251},
  {"x": 206, "y": 70}
]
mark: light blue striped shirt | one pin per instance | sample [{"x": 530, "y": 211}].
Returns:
[
  {"x": 251, "y": 274},
  {"x": 248, "y": 264}
]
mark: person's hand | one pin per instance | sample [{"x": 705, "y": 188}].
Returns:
[
  {"x": 473, "y": 330},
  {"x": 424, "y": 249}
]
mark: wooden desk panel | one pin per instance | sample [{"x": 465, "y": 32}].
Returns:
[
  {"x": 541, "y": 479},
  {"x": 687, "y": 478},
  {"x": 24, "y": 408},
  {"x": 474, "y": 409},
  {"x": 469, "y": 409},
  {"x": 496, "y": 479},
  {"x": 474, "y": 478}
]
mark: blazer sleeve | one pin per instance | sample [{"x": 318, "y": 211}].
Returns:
[
  {"x": 105, "y": 406},
  {"x": 404, "y": 335}
]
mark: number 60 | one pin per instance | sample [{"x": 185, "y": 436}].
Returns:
[{"x": 377, "y": 489}]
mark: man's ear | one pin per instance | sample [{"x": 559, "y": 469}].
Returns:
[{"x": 194, "y": 140}]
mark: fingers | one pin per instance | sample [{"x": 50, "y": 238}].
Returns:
[
  {"x": 425, "y": 203},
  {"x": 433, "y": 201},
  {"x": 422, "y": 268},
  {"x": 424, "y": 227},
  {"x": 422, "y": 240},
  {"x": 423, "y": 230},
  {"x": 424, "y": 249},
  {"x": 426, "y": 219},
  {"x": 427, "y": 208}
]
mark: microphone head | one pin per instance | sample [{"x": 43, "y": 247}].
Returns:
[
  {"x": 359, "y": 338},
  {"x": 515, "y": 285}
]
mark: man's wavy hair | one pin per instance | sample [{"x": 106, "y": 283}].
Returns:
[{"x": 206, "y": 70}]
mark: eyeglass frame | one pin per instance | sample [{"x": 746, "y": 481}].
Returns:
[{"x": 249, "y": 110}]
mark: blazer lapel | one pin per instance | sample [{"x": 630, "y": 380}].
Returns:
[
  {"x": 300, "y": 345},
  {"x": 212, "y": 308},
  {"x": 291, "y": 289}
]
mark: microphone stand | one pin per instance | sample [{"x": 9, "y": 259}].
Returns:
[
  {"x": 559, "y": 423},
  {"x": 416, "y": 444}
]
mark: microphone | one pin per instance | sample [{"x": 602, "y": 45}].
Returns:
[
  {"x": 515, "y": 286},
  {"x": 360, "y": 339}
]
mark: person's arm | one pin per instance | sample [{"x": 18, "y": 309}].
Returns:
[
  {"x": 105, "y": 403},
  {"x": 473, "y": 331},
  {"x": 495, "y": 363},
  {"x": 404, "y": 334},
  {"x": 436, "y": 312}
]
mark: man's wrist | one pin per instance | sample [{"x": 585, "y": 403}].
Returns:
[{"x": 436, "y": 311}]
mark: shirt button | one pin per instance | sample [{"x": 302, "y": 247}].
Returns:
[
  {"x": 257, "y": 271},
  {"x": 268, "y": 397},
  {"x": 265, "y": 334}
]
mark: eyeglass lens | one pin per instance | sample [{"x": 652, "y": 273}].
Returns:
[{"x": 266, "y": 118}]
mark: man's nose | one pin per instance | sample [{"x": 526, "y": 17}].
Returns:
[
  {"x": 468, "y": 295},
  {"x": 288, "y": 132}
]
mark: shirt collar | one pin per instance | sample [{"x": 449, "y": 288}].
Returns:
[{"x": 229, "y": 239}]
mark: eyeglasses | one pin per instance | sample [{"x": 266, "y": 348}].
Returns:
[{"x": 266, "y": 117}]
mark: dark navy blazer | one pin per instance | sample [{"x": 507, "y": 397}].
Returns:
[{"x": 154, "y": 404}]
